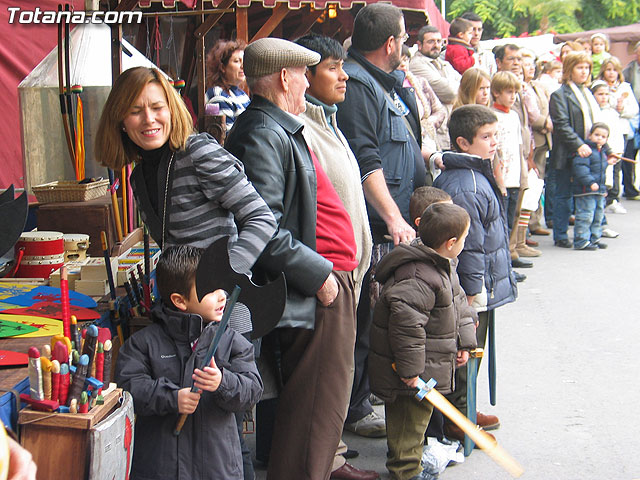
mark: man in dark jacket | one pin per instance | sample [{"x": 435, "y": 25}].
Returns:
[
  {"x": 380, "y": 120},
  {"x": 315, "y": 247},
  {"x": 158, "y": 365}
]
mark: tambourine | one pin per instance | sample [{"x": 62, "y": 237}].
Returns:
[{"x": 75, "y": 246}]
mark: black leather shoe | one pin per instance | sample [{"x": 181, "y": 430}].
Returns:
[
  {"x": 563, "y": 243},
  {"x": 521, "y": 263},
  {"x": 350, "y": 453},
  {"x": 520, "y": 277},
  {"x": 600, "y": 245}
]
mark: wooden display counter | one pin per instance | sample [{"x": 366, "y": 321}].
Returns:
[{"x": 59, "y": 442}]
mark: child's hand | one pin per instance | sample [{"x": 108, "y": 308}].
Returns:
[
  {"x": 411, "y": 382},
  {"x": 462, "y": 357},
  {"x": 209, "y": 379},
  {"x": 594, "y": 187},
  {"x": 187, "y": 401}
]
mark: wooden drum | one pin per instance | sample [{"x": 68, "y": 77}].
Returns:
[
  {"x": 41, "y": 244},
  {"x": 40, "y": 268},
  {"x": 43, "y": 254}
]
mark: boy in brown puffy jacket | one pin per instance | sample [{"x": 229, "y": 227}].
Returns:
[{"x": 422, "y": 326}]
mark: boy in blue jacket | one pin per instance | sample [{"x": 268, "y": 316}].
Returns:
[
  {"x": 589, "y": 191},
  {"x": 158, "y": 366},
  {"x": 484, "y": 266}
]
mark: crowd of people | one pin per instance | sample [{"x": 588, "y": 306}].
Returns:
[{"x": 396, "y": 190}]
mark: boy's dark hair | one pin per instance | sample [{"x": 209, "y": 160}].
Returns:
[
  {"x": 601, "y": 125},
  {"x": 325, "y": 46},
  {"x": 374, "y": 24},
  {"x": 422, "y": 197},
  {"x": 176, "y": 271},
  {"x": 459, "y": 25},
  {"x": 465, "y": 122},
  {"x": 426, "y": 29},
  {"x": 471, "y": 16},
  {"x": 442, "y": 221}
]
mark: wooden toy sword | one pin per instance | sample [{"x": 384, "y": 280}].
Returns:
[{"x": 479, "y": 436}]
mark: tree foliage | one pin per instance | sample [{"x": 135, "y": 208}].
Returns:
[{"x": 505, "y": 18}]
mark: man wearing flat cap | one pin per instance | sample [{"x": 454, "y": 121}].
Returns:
[{"x": 314, "y": 246}]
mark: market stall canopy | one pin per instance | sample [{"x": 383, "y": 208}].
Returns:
[
  {"x": 625, "y": 33},
  {"x": 427, "y": 6},
  {"x": 622, "y": 39}
]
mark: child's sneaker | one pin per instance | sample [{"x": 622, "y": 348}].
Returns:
[
  {"x": 615, "y": 207},
  {"x": 585, "y": 246}
]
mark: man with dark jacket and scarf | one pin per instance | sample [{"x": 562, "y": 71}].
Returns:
[
  {"x": 380, "y": 120},
  {"x": 158, "y": 366},
  {"x": 314, "y": 246}
]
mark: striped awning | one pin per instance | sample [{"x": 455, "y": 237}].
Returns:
[{"x": 416, "y": 5}]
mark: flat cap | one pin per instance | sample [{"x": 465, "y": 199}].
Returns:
[{"x": 269, "y": 55}]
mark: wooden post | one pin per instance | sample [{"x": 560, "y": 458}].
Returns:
[
  {"x": 277, "y": 15},
  {"x": 308, "y": 20},
  {"x": 242, "y": 24},
  {"x": 200, "y": 68}
]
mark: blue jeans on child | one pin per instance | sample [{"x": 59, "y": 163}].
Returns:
[{"x": 588, "y": 225}]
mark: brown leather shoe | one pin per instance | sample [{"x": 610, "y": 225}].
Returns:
[
  {"x": 531, "y": 243},
  {"x": 454, "y": 432},
  {"x": 487, "y": 422},
  {"x": 526, "y": 251},
  {"x": 349, "y": 472},
  {"x": 540, "y": 231}
]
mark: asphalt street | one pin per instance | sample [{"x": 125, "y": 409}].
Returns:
[{"x": 567, "y": 390}]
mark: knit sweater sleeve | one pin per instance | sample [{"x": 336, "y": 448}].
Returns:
[{"x": 222, "y": 179}]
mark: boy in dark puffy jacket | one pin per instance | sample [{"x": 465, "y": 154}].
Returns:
[
  {"x": 589, "y": 191},
  {"x": 484, "y": 266},
  {"x": 158, "y": 366},
  {"x": 422, "y": 327}
]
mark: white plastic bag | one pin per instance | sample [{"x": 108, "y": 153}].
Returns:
[
  {"x": 437, "y": 456},
  {"x": 532, "y": 194}
]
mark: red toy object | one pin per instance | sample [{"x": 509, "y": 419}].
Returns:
[
  {"x": 60, "y": 352},
  {"x": 64, "y": 384},
  {"x": 53, "y": 310},
  {"x": 13, "y": 359},
  {"x": 41, "y": 405},
  {"x": 100, "y": 362},
  {"x": 41, "y": 268},
  {"x": 64, "y": 300},
  {"x": 41, "y": 244}
]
